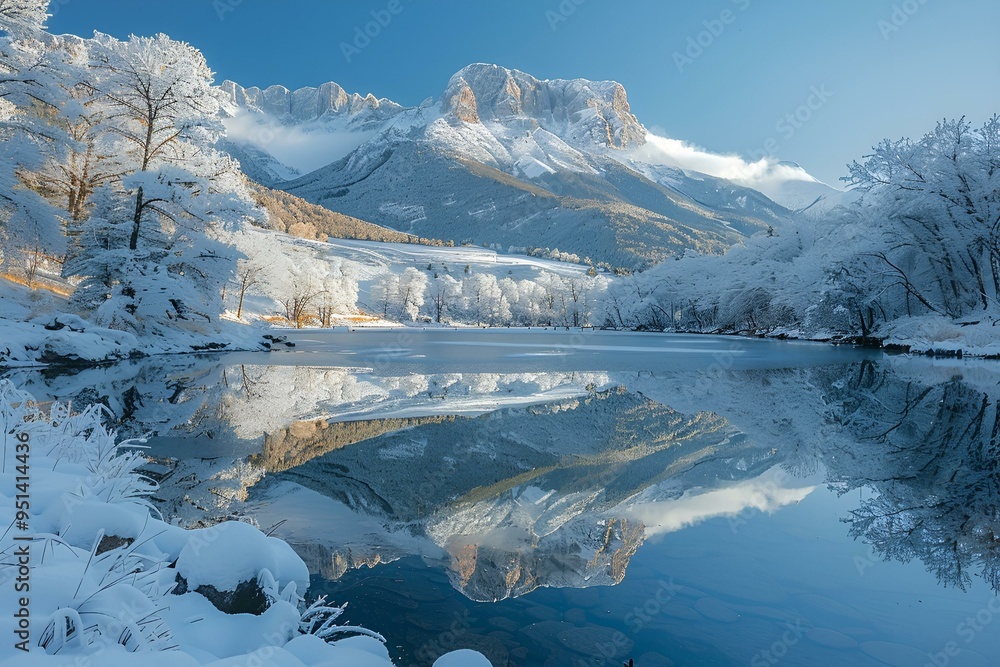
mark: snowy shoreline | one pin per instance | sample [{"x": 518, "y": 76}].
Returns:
[
  {"x": 79, "y": 345},
  {"x": 929, "y": 336}
]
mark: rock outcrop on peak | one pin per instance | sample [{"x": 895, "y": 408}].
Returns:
[
  {"x": 306, "y": 104},
  {"x": 578, "y": 109}
]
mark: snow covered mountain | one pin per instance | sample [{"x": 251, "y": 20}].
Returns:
[
  {"x": 808, "y": 196},
  {"x": 500, "y": 158}
]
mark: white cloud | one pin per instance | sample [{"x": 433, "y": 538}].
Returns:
[
  {"x": 305, "y": 147},
  {"x": 765, "y": 493},
  {"x": 766, "y": 174}
]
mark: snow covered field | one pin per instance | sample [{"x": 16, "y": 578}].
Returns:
[{"x": 452, "y": 273}]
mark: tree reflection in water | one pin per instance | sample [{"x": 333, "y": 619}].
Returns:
[{"x": 929, "y": 452}]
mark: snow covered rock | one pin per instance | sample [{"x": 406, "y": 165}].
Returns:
[
  {"x": 62, "y": 339},
  {"x": 233, "y": 563},
  {"x": 462, "y": 658},
  {"x": 308, "y": 103}
]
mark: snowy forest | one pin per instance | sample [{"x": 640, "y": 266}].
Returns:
[{"x": 923, "y": 239}]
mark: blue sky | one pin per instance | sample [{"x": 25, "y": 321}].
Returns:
[{"x": 883, "y": 68}]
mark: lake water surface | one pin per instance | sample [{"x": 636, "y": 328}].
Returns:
[{"x": 582, "y": 498}]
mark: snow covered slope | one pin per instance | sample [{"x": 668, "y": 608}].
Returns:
[{"x": 499, "y": 158}]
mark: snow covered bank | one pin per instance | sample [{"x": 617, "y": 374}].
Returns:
[
  {"x": 35, "y": 331},
  {"x": 91, "y": 575},
  {"x": 65, "y": 339},
  {"x": 938, "y": 336}
]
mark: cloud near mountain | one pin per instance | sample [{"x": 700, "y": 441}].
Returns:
[{"x": 763, "y": 174}]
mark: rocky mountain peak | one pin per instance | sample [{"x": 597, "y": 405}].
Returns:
[
  {"x": 590, "y": 111},
  {"x": 308, "y": 103}
]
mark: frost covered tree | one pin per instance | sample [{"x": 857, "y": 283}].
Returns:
[
  {"x": 339, "y": 295},
  {"x": 33, "y": 73},
  {"x": 941, "y": 197},
  {"x": 484, "y": 300},
  {"x": 251, "y": 271},
  {"x": 444, "y": 293},
  {"x": 160, "y": 95},
  {"x": 400, "y": 296},
  {"x": 511, "y": 291},
  {"x": 23, "y": 18},
  {"x": 89, "y": 159},
  {"x": 385, "y": 291},
  {"x": 582, "y": 296},
  {"x": 412, "y": 292},
  {"x": 155, "y": 250},
  {"x": 308, "y": 288},
  {"x": 300, "y": 289},
  {"x": 248, "y": 276},
  {"x": 553, "y": 305}
]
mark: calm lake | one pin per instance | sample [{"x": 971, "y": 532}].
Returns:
[{"x": 563, "y": 498}]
